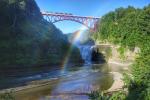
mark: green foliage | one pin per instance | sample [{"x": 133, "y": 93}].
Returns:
[
  {"x": 118, "y": 96},
  {"x": 130, "y": 28},
  {"x": 26, "y": 38},
  {"x": 120, "y": 27},
  {"x": 127, "y": 80},
  {"x": 95, "y": 95},
  {"x": 7, "y": 96},
  {"x": 121, "y": 51}
]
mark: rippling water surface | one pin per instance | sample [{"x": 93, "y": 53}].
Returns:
[{"x": 71, "y": 83}]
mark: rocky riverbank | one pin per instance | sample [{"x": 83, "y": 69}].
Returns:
[
  {"x": 117, "y": 70},
  {"x": 116, "y": 63}
]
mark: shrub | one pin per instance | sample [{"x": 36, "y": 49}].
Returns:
[{"x": 7, "y": 96}]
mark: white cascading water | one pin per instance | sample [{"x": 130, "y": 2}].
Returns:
[
  {"x": 85, "y": 46},
  {"x": 86, "y": 53}
]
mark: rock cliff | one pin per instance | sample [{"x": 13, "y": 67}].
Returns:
[{"x": 26, "y": 39}]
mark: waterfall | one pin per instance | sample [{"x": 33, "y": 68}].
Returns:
[
  {"x": 84, "y": 43},
  {"x": 86, "y": 53}
]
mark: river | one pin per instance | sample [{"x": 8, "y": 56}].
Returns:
[
  {"x": 59, "y": 82},
  {"x": 74, "y": 83}
]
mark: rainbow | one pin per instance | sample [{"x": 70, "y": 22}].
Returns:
[{"x": 75, "y": 38}]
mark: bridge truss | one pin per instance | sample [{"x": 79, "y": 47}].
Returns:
[{"x": 89, "y": 22}]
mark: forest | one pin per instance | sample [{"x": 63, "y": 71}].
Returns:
[
  {"x": 130, "y": 28},
  {"x": 27, "y": 39}
]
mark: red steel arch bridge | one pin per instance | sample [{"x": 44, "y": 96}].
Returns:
[{"x": 89, "y": 22}]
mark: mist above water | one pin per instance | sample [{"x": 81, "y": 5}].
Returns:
[{"x": 85, "y": 43}]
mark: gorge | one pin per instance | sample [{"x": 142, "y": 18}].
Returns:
[
  {"x": 30, "y": 45},
  {"x": 39, "y": 62}
]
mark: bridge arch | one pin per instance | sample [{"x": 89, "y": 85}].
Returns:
[
  {"x": 71, "y": 21},
  {"x": 89, "y": 22}
]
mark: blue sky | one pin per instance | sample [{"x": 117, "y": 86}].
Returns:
[{"x": 95, "y": 8}]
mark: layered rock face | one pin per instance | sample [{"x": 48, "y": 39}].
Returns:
[{"x": 26, "y": 39}]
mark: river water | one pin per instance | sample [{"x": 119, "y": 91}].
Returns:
[
  {"x": 72, "y": 84},
  {"x": 59, "y": 83}
]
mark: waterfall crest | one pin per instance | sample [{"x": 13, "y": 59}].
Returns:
[{"x": 86, "y": 53}]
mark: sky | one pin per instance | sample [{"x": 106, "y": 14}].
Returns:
[{"x": 95, "y": 8}]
